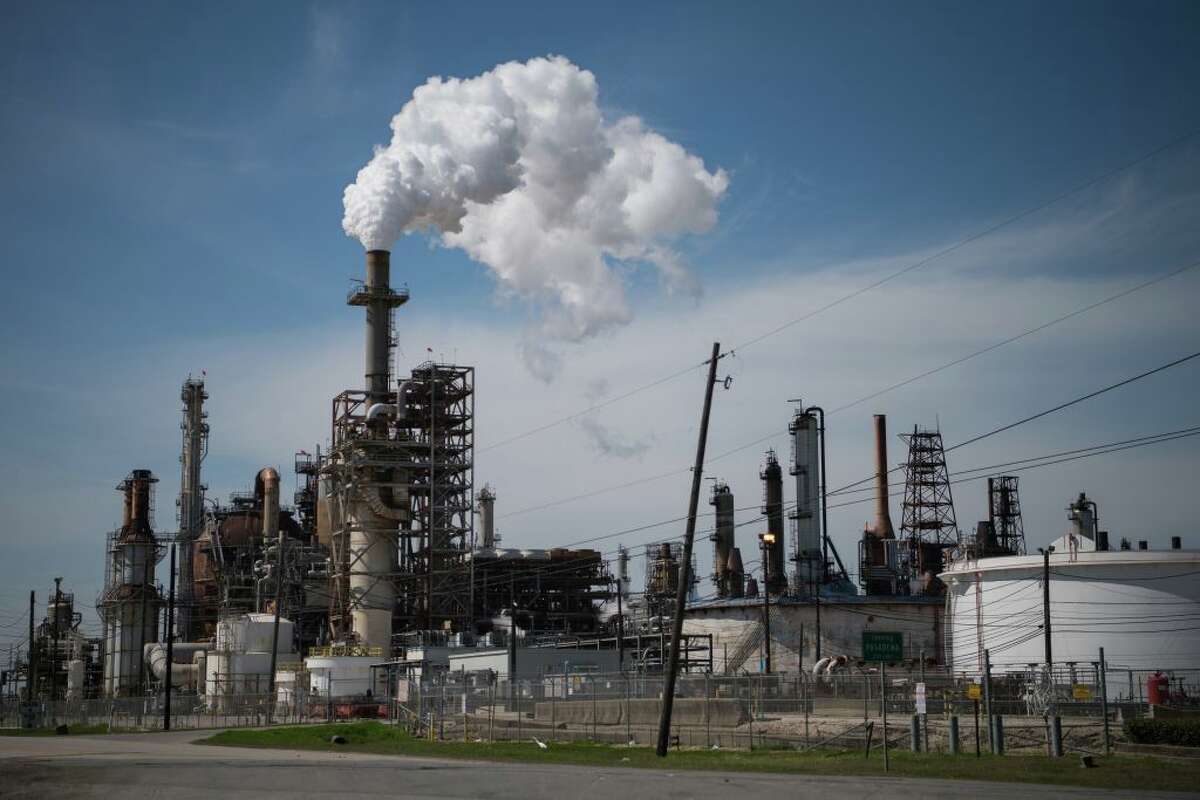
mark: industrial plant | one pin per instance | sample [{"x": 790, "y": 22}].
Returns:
[{"x": 386, "y": 568}]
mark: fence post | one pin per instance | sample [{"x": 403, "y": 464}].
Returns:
[
  {"x": 1104, "y": 701},
  {"x": 707, "y": 715},
  {"x": 883, "y": 705},
  {"x": 592, "y": 681},
  {"x": 953, "y": 742},
  {"x": 804, "y": 683},
  {"x": 628, "y": 721},
  {"x": 987, "y": 695},
  {"x": 914, "y": 732},
  {"x": 997, "y": 733},
  {"x": 1056, "y": 744}
]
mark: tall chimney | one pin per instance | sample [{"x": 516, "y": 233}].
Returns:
[
  {"x": 883, "y": 518},
  {"x": 378, "y": 323}
]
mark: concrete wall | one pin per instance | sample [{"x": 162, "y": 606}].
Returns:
[{"x": 842, "y": 624}]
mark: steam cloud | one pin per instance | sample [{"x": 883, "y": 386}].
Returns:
[{"x": 518, "y": 168}]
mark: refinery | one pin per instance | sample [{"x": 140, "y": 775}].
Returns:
[{"x": 385, "y": 573}]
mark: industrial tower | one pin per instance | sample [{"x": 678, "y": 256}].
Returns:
[
  {"x": 1004, "y": 514},
  {"x": 399, "y": 482},
  {"x": 131, "y": 600},
  {"x": 722, "y": 537},
  {"x": 928, "y": 526},
  {"x": 190, "y": 505}
]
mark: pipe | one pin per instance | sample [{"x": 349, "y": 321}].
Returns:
[
  {"x": 883, "y": 518},
  {"x": 268, "y": 477},
  {"x": 397, "y": 410},
  {"x": 155, "y": 655}
]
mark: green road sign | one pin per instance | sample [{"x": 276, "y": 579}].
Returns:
[{"x": 882, "y": 646}]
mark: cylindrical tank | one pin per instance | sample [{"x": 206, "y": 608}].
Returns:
[
  {"x": 996, "y": 604},
  {"x": 1158, "y": 689}
]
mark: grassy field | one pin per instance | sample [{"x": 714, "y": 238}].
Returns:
[{"x": 1116, "y": 772}]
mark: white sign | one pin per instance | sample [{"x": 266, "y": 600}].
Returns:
[{"x": 919, "y": 695}]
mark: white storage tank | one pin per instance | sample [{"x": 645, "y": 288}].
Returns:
[{"x": 1141, "y": 606}]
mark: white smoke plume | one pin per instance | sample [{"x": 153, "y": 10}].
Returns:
[{"x": 519, "y": 168}]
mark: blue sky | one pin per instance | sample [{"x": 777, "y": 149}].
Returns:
[{"x": 172, "y": 202}]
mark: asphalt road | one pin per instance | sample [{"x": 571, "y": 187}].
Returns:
[{"x": 170, "y": 766}]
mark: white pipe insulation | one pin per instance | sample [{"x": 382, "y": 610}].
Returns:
[{"x": 181, "y": 674}]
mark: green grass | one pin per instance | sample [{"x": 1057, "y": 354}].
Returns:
[
  {"x": 1116, "y": 772},
  {"x": 89, "y": 730}
]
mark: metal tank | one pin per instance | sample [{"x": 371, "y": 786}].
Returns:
[{"x": 1130, "y": 602}]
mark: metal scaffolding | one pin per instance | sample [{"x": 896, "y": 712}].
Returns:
[
  {"x": 928, "y": 525},
  {"x": 400, "y": 490}
]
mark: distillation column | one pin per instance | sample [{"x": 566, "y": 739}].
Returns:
[
  {"x": 191, "y": 497},
  {"x": 131, "y": 601},
  {"x": 722, "y": 537},
  {"x": 806, "y": 518},
  {"x": 487, "y": 517}
]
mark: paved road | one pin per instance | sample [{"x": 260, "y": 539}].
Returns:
[{"x": 170, "y": 766}]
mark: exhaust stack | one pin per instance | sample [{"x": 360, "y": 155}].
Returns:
[{"x": 883, "y": 518}]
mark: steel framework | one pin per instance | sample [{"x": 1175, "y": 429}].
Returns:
[
  {"x": 422, "y": 460},
  {"x": 1004, "y": 512},
  {"x": 928, "y": 527}
]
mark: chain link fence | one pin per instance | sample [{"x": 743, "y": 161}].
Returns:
[{"x": 791, "y": 710}]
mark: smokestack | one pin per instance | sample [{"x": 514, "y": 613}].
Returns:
[
  {"x": 379, "y": 318},
  {"x": 883, "y": 518}
]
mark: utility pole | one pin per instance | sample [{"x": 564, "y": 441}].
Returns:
[
  {"x": 170, "y": 644},
  {"x": 1046, "y": 609},
  {"x": 54, "y": 653},
  {"x": 685, "y": 578},
  {"x": 767, "y": 539}
]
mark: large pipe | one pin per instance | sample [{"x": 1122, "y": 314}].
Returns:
[
  {"x": 268, "y": 480},
  {"x": 181, "y": 674},
  {"x": 883, "y": 518},
  {"x": 378, "y": 323}
]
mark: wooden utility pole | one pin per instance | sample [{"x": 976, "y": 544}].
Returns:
[{"x": 685, "y": 569}]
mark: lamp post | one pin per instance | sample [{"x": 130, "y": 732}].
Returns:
[
  {"x": 1046, "y": 607},
  {"x": 766, "y": 539}
]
